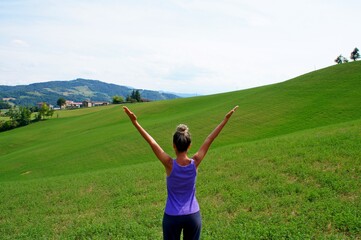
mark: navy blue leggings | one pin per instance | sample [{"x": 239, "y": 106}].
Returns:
[{"x": 190, "y": 224}]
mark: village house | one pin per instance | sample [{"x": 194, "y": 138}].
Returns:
[
  {"x": 87, "y": 103},
  {"x": 71, "y": 104}
]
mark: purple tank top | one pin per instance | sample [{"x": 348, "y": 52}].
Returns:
[{"x": 181, "y": 188}]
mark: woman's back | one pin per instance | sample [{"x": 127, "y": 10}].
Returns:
[{"x": 181, "y": 188}]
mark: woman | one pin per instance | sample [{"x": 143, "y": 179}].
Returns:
[{"x": 182, "y": 209}]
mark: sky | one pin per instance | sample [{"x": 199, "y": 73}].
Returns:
[{"x": 183, "y": 46}]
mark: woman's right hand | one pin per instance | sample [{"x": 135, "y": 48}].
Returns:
[{"x": 229, "y": 114}]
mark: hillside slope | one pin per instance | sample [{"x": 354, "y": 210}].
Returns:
[
  {"x": 100, "y": 138},
  {"x": 304, "y": 185}
]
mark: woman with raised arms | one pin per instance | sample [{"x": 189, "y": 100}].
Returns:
[{"x": 182, "y": 209}]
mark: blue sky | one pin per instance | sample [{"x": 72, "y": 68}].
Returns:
[{"x": 185, "y": 46}]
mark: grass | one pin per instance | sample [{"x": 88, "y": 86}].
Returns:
[
  {"x": 286, "y": 166},
  {"x": 304, "y": 185},
  {"x": 299, "y": 186}
]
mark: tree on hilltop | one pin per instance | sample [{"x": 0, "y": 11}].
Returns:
[
  {"x": 341, "y": 59},
  {"x": 355, "y": 54}
]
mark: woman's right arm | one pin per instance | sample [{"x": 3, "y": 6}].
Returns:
[{"x": 165, "y": 159}]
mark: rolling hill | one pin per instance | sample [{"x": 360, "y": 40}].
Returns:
[
  {"x": 103, "y": 138},
  {"x": 76, "y": 90},
  {"x": 286, "y": 166}
]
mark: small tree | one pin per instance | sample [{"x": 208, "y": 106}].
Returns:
[
  {"x": 45, "y": 111},
  {"x": 21, "y": 116},
  {"x": 355, "y": 54},
  {"x": 25, "y": 116},
  {"x": 117, "y": 99},
  {"x": 50, "y": 112},
  {"x": 135, "y": 96},
  {"x": 7, "y": 125},
  {"x": 341, "y": 59},
  {"x": 61, "y": 102},
  {"x": 338, "y": 60}
]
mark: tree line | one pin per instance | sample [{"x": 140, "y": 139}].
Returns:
[
  {"x": 22, "y": 116},
  {"x": 135, "y": 96},
  {"x": 354, "y": 56}
]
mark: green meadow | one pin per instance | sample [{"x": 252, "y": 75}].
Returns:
[{"x": 287, "y": 165}]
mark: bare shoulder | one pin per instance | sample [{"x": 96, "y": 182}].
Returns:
[
  {"x": 197, "y": 159},
  {"x": 167, "y": 162}
]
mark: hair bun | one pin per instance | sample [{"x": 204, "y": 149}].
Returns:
[{"x": 182, "y": 128}]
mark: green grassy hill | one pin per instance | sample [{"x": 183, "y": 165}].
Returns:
[
  {"x": 97, "y": 138},
  {"x": 286, "y": 166}
]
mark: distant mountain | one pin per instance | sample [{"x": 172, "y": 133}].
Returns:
[{"x": 74, "y": 90}]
